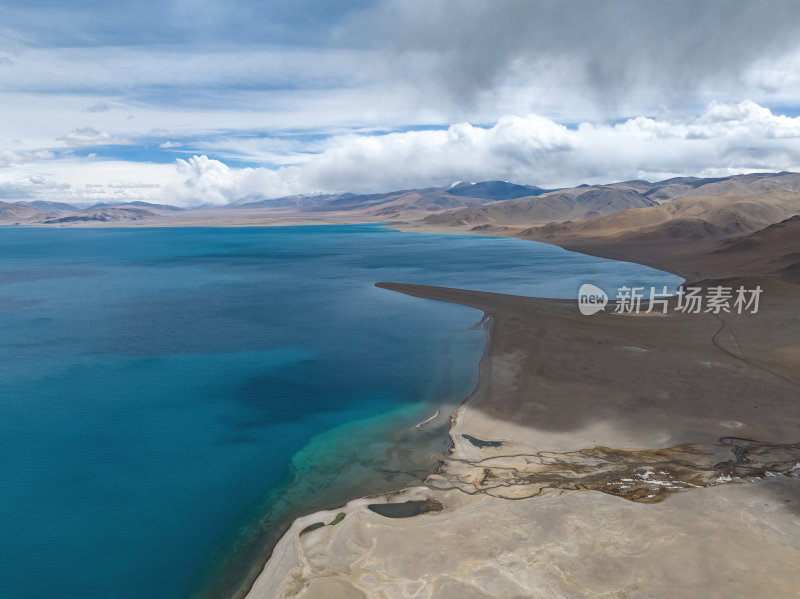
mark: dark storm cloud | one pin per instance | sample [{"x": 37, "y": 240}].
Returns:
[
  {"x": 609, "y": 49},
  {"x": 440, "y": 54}
]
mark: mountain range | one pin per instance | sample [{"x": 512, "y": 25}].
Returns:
[{"x": 637, "y": 215}]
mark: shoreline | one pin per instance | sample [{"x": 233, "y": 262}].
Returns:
[
  {"x": 466, "y": 491},
  {"x": 455, "y": 417},
  {"x": 282, "y": 550},
  {"x": 434, "y": 427},
  {"x": 460, "y": 483},
  {"x": 326, "y": 514},
  {"x": 284, "y": 513}
]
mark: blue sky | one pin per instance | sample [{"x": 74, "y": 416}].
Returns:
[{"x": 194, "y": 102}]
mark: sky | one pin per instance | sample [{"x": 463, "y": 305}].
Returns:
[{"x": 192, "y": 102}]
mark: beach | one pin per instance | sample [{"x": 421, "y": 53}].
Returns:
[{"x": 608, "y": 455}]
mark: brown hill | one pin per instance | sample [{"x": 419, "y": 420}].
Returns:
[
  {"x": 721, "y": 225},
  {"x": 413, "y": 204},
  {"x": 726, "y": 215},
  {"x": 576, "y": 203},
  {"x": 754, "y": 183},
  {"x": 56, "y": 207},
  {"x": 776, "y": 247},
  {"x": 14, "y": 213},
  {"x": 408, "y": 203}
]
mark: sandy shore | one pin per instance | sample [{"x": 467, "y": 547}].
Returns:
[
  {"x": 213, "y": 218},
  {"x": 727, "y": 541},
  {"x": 625, "y": 456}
]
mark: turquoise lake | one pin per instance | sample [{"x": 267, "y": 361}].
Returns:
[{"x": 171, "y": 397}]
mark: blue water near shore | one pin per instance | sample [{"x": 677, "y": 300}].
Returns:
[{"x": 158, "y": 385}]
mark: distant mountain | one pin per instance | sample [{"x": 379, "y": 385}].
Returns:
[
  {"x": 409, "y": 203},
  {"x": 404, "y": 204},
  {"x": 577, "y": 203},
  {"x": 104, "y": 215},
  {"x": 150, "y": 206},
  {"x": 57, "y": 207},
  {"x": 588, "y": 202},
  {"x": 45, "y": 212},
  {"x": 494, "y": 190},
  {"x": 724, "y": 215},
  {"x": 134, "y": 204},
  {"x": 678, "y": 187},
  {"x": 713, "y": 207},
  {"x": 501, "y": 204},
  {"x": 733, "y": 228},
  {"x": 295, "y": 202},
  {"x": 18, "y": 212},
  {"x": 639, "y": 185}
]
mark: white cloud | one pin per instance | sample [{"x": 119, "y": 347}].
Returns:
[
  {"x": 207, "y": 181},
  {"x": 32, "y": 188},
  {"x": 724, "y": 139},
  {"x": 12, "y": 158},
  {"x": 80, "y": 180},
  {"x": 89, "y": 136},
  {"x": 123, "y": 185}
]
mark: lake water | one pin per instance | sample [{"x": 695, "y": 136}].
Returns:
[{"x": 169, "y": 398}]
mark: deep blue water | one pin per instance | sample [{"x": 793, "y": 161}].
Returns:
[{"x": 161, "y": 390}]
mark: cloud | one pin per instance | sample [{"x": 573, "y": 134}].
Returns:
[
  {"x": 98, "y": 107},
  {"x": 393, "y": 63},
  {"x": 372, "y": 95},
  {"x": 89, "y": 136},
  {"x": 615, "y": 54},
  {"x": 210, "y": 182},
  {"x": 74, "y": 180},
  {"x": 122, "y": 185},
  {"x": 205, "y": 181},
  {"x": 11, "y": 158},
  {"x": 724, "y": 139},
  {"x": 31, "y": 188}
]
